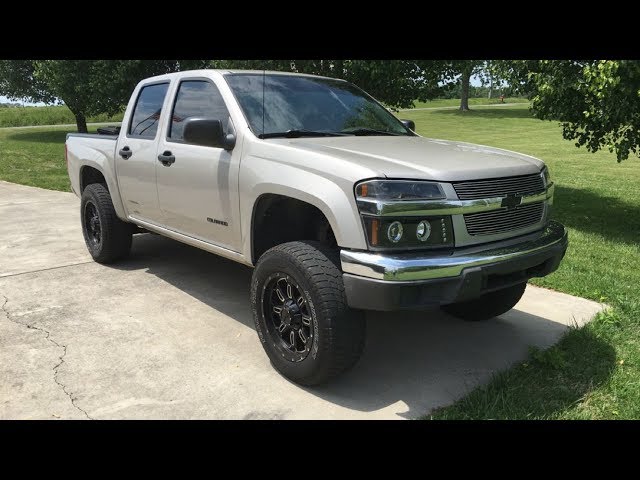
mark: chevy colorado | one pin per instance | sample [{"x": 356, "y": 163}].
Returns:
[{"x": 338, "y": 205}]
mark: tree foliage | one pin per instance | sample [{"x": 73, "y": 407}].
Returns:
[
  {"x": 87, "y": 87},
  {"x": 596, "y": 101},
  {"x": 92, "y": 87},
  {"x": 17, "y": 81}
]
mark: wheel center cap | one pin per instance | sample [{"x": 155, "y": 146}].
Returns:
[{"x": 290, "y": 313}]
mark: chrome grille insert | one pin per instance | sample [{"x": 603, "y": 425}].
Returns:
[
  {"x": 499, "y": 221},
  {"x": 500, "y": 187}
]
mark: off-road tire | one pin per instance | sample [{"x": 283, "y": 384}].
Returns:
[
  {"x": 114, "y": 234},
  {"x": 338, "y": 332}
]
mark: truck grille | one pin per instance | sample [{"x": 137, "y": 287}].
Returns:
[
  {"x": 500, "y": 187},
  {"x": 499, "y": 221}
]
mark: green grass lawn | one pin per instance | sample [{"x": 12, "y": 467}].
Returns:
[
  {"x": 55, "y": 115},
  {"x": 35, "y": 157},
  {"x": 594, "y": 372}
]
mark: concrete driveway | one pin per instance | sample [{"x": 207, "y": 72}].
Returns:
[{"x": 169, "y": 334}]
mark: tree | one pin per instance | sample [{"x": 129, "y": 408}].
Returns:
[
  {"x": 17, "y": 81},
  {"x": 86, "y": 87},
  {"x": 459, "y": 71},
  {"x": 91, "y": 87},
  {"x": 466, "y": 70},
  {"x": 397, "y": 83},
  {"x": 490, "y": 75},
  {"x": 596, "y": 101}
]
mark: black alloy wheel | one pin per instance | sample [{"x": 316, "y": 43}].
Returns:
[
  {"x": 92, "y": 224},
  {"x": 289, "y": 320}
]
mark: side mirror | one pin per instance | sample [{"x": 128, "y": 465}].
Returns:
[
  {"x": 207, "y": 132},
  {"x": 410, "y": 124}
]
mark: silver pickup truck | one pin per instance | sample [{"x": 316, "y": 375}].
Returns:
[{"x": 338, "y": 205}]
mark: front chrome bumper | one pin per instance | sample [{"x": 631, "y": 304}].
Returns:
[
  {"x": 375, "y": 281},
  {"x": 420, "y": 266}
]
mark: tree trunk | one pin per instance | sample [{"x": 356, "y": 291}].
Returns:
[
  {"x": 81, "y": 123},
  {"x": 339, "y": 69},
  {"x": 464, "y": 97}
]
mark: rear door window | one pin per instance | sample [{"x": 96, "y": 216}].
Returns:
[{"x": 146, "y": 113}]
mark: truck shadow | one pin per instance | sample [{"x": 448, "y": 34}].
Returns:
[
  {"x": 590, "y": 212},
  {"x": 52, "y": 136},
  {"x": 413, "y": 363}
]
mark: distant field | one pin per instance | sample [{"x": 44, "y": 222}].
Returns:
[
  {"x": 455, "y": 102},
  {"x": 58, "y": 115}
]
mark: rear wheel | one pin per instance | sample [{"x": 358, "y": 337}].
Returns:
[
  {"x": 107, "y": 237},
  {"x": 301, "y": 314},
  {"x": 488, "y": 305}
]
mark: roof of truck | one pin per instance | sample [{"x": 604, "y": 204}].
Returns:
[{"x": 234, "y": 71}]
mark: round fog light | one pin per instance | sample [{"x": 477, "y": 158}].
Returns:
[
  {"x": 394, "y": 232},
  {"x": 423, "y": 230}
]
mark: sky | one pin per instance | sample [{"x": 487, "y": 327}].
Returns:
[{"x": 6, "y": 100}]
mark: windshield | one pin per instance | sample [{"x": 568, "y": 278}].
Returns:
[{"x": 309, "y": 106}]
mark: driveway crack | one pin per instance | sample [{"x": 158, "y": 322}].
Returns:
[{"x": 61, "y": 357}]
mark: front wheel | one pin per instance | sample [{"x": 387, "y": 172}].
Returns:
[
  {"x": 488, "y": 305},
  {"x": 301, "y": 314}
]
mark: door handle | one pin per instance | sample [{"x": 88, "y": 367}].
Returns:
[
  {"x": 166, "y": 158},
  {"x": 125, "y": 153}
]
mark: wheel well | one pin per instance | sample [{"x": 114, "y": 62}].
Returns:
[
  {"x": 279, "y": 219},
  {"x": 89, "y": 175}
]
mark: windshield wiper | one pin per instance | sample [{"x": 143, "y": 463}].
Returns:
[
  {"x": 368, "y": 131},
  {"x": 300, "y": 133}
]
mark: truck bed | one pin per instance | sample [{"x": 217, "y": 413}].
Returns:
[{"x": 90, "y": 148}]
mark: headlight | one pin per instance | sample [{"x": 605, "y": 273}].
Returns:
[
  {"x": 423, "y": 230},
  {"x": 399, "y": 190},
  {"x": 548, "y": 184},
  {"x": 547, "y": 176},
  {"x": 408, "y": 233},
  {"x": 394, "y": 232},
  {"x": 550, "y": 188},
  {"x": 402, "y": 232}
]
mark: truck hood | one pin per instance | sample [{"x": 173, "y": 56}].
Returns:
[{"x": 421, "y": 158}]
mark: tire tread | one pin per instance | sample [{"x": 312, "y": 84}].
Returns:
[
  {"x": 116, "y": 234},
  {"x": 344, "y": 333}
]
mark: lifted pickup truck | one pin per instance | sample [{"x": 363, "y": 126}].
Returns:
[{"x": 338, "y": 205}]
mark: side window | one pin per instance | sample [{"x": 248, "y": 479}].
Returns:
[
  {"x": 146, "y": 113},
  {"x": 196, "y": 98}
]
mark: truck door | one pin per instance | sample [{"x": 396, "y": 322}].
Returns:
[
  {"x": 136, "y": 154},
  {"x": 198, "y": 191}
]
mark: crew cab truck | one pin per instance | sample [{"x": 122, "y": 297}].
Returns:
[{"x": 338, "y": 205}]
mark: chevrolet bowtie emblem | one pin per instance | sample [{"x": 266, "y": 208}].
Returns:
[{"x": 511, "y": 201}]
